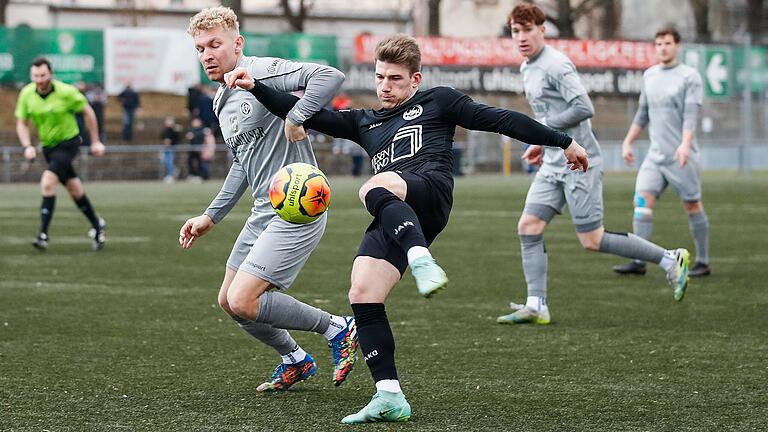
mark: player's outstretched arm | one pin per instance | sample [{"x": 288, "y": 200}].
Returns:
[
  {"x": 336, "y": 124},
  {"x": 465, "y": 112},
  {"x": 194, "y": 228}
]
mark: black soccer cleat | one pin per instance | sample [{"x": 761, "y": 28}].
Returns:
[
  {"x": 41, "y": 242},
  {"x": 632, "y": 267},
  {"x": 99, "y": 236},
  {"x": 699, "y": 269}
]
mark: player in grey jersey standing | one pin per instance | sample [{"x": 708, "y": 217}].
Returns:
[
  {"x": 269, "y": 252},
  {"x": 560, "y": 101},
  {"x": 670, "y": 99}
]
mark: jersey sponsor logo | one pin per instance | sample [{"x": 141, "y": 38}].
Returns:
[
  {"x": 235, "y": 142},
  {"x": 234, "y": 125},
  {"x": 413, "y": 112},
  {"x": 375, "y": 125},
  {"x": 246, "y": 109},
  {"x": 406, "y": 143}
]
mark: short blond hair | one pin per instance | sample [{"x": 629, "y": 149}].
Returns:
[
  {"x": 212, "y": 18},
  {"x": 400, "y": 49}
]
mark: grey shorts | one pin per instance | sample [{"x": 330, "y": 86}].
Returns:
[
  {"x": 583, "y": 192},
  {"x": 275, "y": 250},
  {"x": 654, "y": 178}
]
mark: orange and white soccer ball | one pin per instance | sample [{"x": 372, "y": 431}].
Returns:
[{"x": 300, "y": 193}]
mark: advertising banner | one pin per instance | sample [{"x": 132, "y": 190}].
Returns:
[
  {"x": 76, "y": 55},
  {"x": 161, "y": 60},
  {"x": 588, "y": 54}
]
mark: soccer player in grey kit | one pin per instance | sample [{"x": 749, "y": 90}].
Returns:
[
  {"x": 560, "y": 101},
  {"x": 270, "y": 252},
  {"x": 669, "y": 105}
]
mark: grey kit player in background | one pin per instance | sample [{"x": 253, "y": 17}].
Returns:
[
  {"x": 560, "y": 101},
  {"x": 670, "y": 99},
  {"x": 269, "y": 252}
]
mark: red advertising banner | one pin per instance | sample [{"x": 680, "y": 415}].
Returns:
[{"x": 589, "y": 54}]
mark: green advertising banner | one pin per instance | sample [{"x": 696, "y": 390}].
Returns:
[
  {"x": 6, "y": 58},
  {"x": 292, "y": 46},
  {"x": 76, "y": 55},
  {"x": 758, "y": 68}
]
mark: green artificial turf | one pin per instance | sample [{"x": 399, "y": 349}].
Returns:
[{"x": 131, "y": 338}]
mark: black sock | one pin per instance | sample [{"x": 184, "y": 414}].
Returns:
[
  {"x": 397, "y": 217},
  {"x": 376, "y": 340},
  {"x": 85, "y": 206},
  {"x": 46, "y": 213}
]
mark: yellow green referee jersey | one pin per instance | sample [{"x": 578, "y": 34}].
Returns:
[{"x": 54, "y": 114}]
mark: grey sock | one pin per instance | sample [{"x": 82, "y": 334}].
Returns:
[
  {"x": 699, "y": 225},
  {"x": 631, "y": 246},
  {"x": 285, "y": 312},
  {"x": 534, "y": 264},
  {"x": 278, "y": 339},
  {"x": 643, "y": 228}
]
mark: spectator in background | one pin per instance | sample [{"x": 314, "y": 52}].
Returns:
[
  {"x": 130, "y": 101},
  {"x": 170, "y": 137},
  {"x": 200, "y": 105},
  {"x": 345, "y": 146},
  {"x": 196, "y": 138},
  {"x": 97, "y": 98},
  {"x": 85, "y": 136},
  {"x": 207, "y": 154}
]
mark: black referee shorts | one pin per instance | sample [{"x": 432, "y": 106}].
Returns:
[
  {"x": 430, "y": 195},
  {"x": 61, "y": 156}
]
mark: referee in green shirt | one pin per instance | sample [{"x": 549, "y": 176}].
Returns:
[{"x": 51, "y": 106}]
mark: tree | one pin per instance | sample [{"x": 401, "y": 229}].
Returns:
[
  {"x": 433, "y": 26},
  {"x": 296, "y": 18},
  {"x": 3, "y": 6},
  {"x": 755, "y": 10},
  {"x": 568, "y": 15},
  {"x": 701, "y": 19}
]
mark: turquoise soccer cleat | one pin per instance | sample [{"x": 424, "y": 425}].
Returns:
[
  {"x": 344, "y": 350},
  {"x": 429, "y": 276},
  {"x": 383, "y": 407},
  {"x": 286, "y": 375},
  {"x": 677, "y": 275},
  {"x": 523, "y": 314}
]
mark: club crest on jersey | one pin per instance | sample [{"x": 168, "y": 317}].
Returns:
[
  {"x": 413, "y": 112},
  {"x": 246, "y": 108}
]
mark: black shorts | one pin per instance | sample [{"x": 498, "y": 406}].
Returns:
[
  {"x": 430, "y": 195},
  {"x": 61, "y": 156}
]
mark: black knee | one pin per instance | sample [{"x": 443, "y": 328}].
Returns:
[{"x": 378, "y": 198}]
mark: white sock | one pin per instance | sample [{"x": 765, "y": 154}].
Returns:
[
  {"x": 417, "y": 252},
  {"x": 296, "y": 355},
  {"x": 536, "y": 303},
  {"x": 335, "y": 326},
  {"x": 392, "y": 386},
  {"x": 668, "y": 260}
]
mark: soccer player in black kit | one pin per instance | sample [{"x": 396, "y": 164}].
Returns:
[{"x": 410, "y": 143}]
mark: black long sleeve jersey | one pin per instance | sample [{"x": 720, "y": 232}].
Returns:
[{"x": 416, "y": 136}]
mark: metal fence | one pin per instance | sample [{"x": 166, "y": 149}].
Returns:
[{"x": 476, "y": 152}]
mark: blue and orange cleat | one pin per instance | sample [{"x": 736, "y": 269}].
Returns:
[
  {"x": 286, "y": 375},
  {"x": 344, "y": 350}
]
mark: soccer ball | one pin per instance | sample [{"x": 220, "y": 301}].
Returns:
[{"x": 300, "y": 193}]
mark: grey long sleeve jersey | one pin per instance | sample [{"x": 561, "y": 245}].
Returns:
[{"x": 256, "y": 137}]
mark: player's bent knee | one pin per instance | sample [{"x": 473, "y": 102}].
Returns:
[
  {"x": 242, "y": 306},
  {"x": 530, "y": 225}
]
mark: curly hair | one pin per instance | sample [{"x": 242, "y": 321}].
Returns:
[
  {"x": 526, "y": 13},
  {"x": 212, "y": 18}
]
